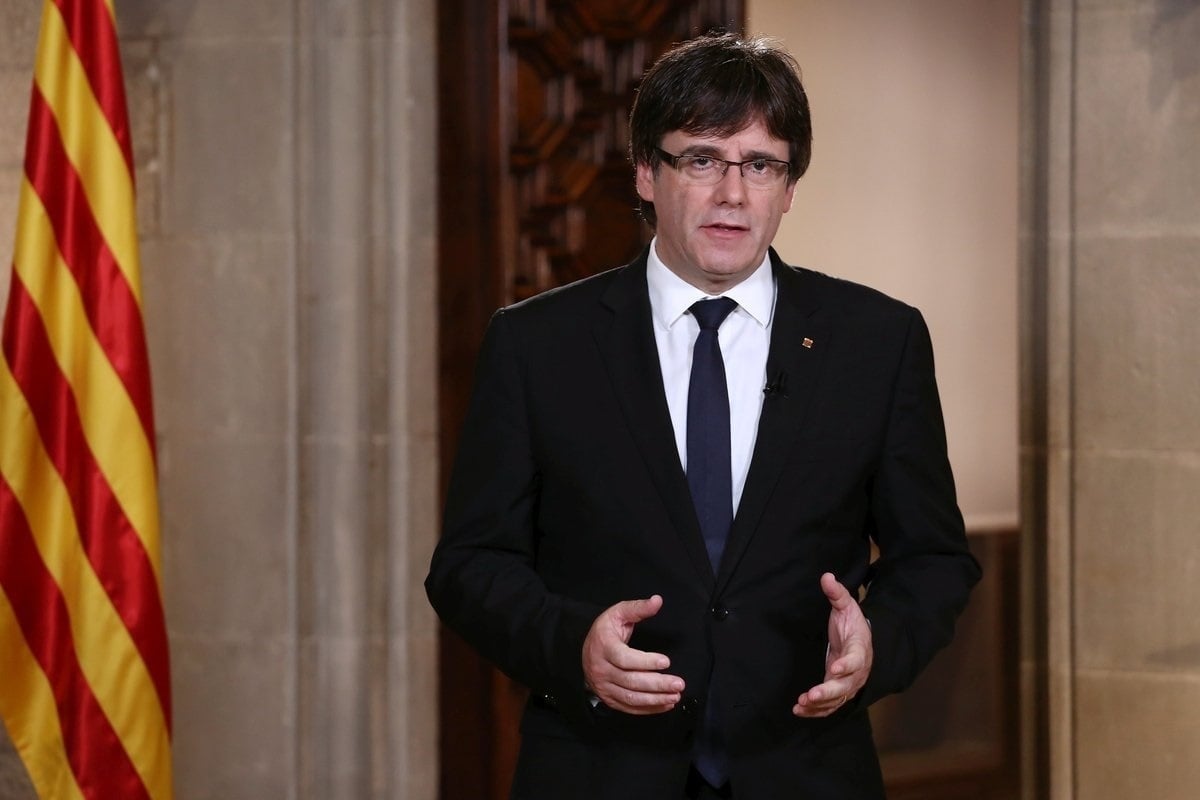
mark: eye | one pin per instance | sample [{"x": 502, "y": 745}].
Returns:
[
  {"x": 759, "y": 167},
  {"x": 701, "y": 163}
]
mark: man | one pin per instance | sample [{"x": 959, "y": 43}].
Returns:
[{"x": 669, "y": 480}]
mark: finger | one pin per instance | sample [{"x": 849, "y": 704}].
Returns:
[
  {"x": 640, "y": 709},
  {"x": 634, "y": 701},
  {"x": 828, "y": 693},
  {"x": 839, "y": 596},
  {"x": 832, "y": 691},
  {"x": 643, "y": 711},
  {"x": 648, "y": 682},
  {"x": 624, "y": 657},
  {"x": 812, "y": 710},
  {"x": 632, "y": 611},
  {"x": 821, "y": 701},
  {"x": 808, "y": 708}
]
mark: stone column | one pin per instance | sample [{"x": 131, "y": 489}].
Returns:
[
  {"x": 366, "y": 459},
  {"x": 285, "y": 155},
  {"x": 1111, "y": 433}
]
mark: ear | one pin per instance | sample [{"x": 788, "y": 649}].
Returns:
[{"x": 645, "y": 182}]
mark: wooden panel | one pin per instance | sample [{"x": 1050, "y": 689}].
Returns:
[
  {"x": 469, "y": 283},
  {"x": 953, "y": 734}
]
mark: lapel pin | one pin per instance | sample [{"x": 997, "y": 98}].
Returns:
[{"x": 807, "y": 343}]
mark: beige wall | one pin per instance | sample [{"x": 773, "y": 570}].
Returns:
[
  {"x": 913, "y": 190},
  {"x": 285, "y": 157}
]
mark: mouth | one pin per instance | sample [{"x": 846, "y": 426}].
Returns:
[{"x": 725, "y": 228}]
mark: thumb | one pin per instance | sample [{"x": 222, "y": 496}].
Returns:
[
  {"x": 836, "y": 592},
  {"x": 631, "y": 611}
]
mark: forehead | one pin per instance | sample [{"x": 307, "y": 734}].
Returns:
[{"x": 754, "y": 138}]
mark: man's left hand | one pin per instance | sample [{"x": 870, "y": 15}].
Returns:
[{"x": 848, "y": 661}]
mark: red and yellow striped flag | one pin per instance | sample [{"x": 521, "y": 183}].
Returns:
[{"x": 84, "y": 678}]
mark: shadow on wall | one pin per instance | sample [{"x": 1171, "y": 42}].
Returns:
[
  {"x": 1185, "y": 656},
  {"x": 153, "y": 17},
  {"x": 1172, "y": 39},
  {"x": 14, "y": 781}
]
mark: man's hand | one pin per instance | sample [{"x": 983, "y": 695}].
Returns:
[
  {"x": 848, "y": 662},
  {"x": 623, "y": 678}
]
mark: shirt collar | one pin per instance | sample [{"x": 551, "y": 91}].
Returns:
[{"x": 671, "y": 296}]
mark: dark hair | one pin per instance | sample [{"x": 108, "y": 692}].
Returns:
[{"x": 716, "y": 85}]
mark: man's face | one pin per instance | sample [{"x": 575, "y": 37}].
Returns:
[{"x": 715, "y": 236}]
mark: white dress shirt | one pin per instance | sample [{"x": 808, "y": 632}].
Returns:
[{"x": 745, "y": 338}]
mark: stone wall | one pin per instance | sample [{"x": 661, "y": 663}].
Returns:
[
  {"x": 285, "y": 155},
  {"x": 18, "y": 41},
  {"x": 1111, "y": 428}
]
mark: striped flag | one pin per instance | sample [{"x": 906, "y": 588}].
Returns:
[{"x": 84, "y": 678}]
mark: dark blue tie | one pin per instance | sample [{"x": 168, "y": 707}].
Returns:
[
  {"x": 710, "y": 478},
  {"x": 708, "y": 470}
]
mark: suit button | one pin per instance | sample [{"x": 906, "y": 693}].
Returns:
[
  {"x": 720, "y": 613},
  {"x": 690, "y": 705}
]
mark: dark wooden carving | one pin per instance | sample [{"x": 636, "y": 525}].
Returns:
[{"x": 570, "y": 70}]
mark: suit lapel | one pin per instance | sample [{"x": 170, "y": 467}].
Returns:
[
  {"x": 798, "y": 339},
  {"x": 626, "y": 342}
]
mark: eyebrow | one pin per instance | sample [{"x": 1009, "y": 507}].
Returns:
[{"x": 701, "y": 149}]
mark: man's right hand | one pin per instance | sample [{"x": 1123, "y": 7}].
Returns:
[{"x": 625, "y": 679}]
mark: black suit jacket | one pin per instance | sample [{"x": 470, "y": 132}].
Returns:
[{"x": 568, "y": 496}]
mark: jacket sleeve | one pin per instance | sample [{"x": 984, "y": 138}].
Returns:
[
  {"x": 482, "y": 581},
  {"x": 924, "y": 574}
]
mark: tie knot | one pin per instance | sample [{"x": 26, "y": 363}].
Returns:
[{"x": 711, "y": 313}]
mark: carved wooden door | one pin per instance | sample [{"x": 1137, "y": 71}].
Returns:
[{"x": 535, "y": 190}]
